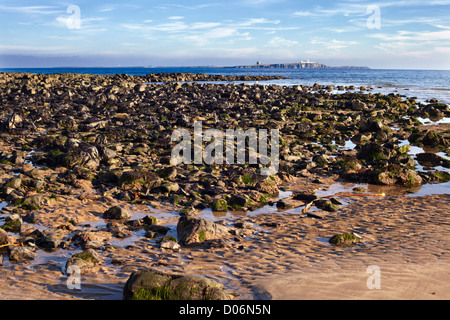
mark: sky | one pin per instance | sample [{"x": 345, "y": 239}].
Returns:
[{"x": 105, "y": 33}]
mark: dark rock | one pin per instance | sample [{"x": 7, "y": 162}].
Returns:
[
  {"x": 305, "y": 197},
  {"x": 433, "y": 139},
  {"x": 429, "y": 159},
  {"x": 116, "y": 213},
  {"x": 238, "y": 201},
  {"x": 48, "y": 242},
  {"x": 374, "y": 152},
  {"x": 158, "y": 229},
  {"x": 154, "y": 285}
]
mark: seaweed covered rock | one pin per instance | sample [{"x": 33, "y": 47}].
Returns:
[
  {"x": 85, "y": 261},
  {"x": 396, "y": 174},
  {"x": 154, "y": 285},
  {"x": 433, "y": 139},
  {"x": 81, "y": 154},
  {"x": 344, "y": 240}
]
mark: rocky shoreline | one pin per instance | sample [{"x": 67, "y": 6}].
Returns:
[{"x": 68, "y": 140}]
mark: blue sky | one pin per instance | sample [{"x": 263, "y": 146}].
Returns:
[{"x": 379, "y": 34}]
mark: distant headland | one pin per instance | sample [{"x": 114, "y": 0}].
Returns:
[{"x": 296, "y": 65}]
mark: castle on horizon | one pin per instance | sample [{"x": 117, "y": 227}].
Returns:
[{"x": 297, "y": 65}]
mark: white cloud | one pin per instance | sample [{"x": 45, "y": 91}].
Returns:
[
  {"x": 334, "y": 44},
  {"x": 39, "y": 10},
  {"x": 281, "y": 42},
  {"x": 303, "y": 13},
  {"x": 443, "y": 35}
]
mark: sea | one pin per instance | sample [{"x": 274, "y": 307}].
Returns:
[{"x": 420, "y": 84}]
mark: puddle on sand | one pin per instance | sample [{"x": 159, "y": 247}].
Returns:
[{"x": 430, "y": 122}]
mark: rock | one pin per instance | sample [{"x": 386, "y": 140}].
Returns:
[
  {"x": 433, "y": 139},
  {"x": 140, "y": 87},
  {"x": 344, "y": 240},
  {"x": 429, "y": 159},
  {"x": 358, "y": 105},
  {"x": 244, "y": 225},
  {"x": 86, "y": 261},
  {"x": 158, "y": 229},
  {"x": 385, "y": 178},
  {"x": 4, "y": 237},
  {"x": 81, "y": 154},
  {"x": 170, "y": 245},
  {"x": 20, "y": 254},
  {"x": 13, "y": 121},
  {"x": 374, "y": 152},
  {"x": 106, "y": 153},
  {"x": 149, "y": 220},
  {"x": 188, "y": 211},
  {"x": 154, "y": 285},
  {"x": 238, "y": 201},
  {"x": 116, "y": 213},
  {"x": 12, "y": 223},
  {"x": 285, "y": 204},
  {"x": 305, "y": 197},
  {"x": 33, "y": 202},
  {"x": 374, "y": 126},
  {"x": 396, "y": 174},
  {"x": 219, "y": 205},
  {"x": 25, "y": 230},
  {"x": 193, "y": 230},
  {"x": 48, "y": 242},
  {"x": 326, "y": 205},
  {"x": 170, "y": 187},
  {"x": 168, "y": 173},
  {"x": 14, "y": 183}
]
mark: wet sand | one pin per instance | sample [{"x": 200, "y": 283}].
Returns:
[{"x": 407, "y": 237}]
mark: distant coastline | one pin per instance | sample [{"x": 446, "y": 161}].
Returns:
[{"x": 297, "y": 65}]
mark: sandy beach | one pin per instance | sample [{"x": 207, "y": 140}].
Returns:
[
  {"x": 87, "y": 168},
  {"x": 406, "y": 237}
]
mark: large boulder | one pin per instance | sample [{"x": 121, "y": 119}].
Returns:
[
  {"x": 192, "y": 230},
  {"x": 154, "y": 285}
]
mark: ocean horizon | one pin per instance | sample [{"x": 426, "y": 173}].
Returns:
[{"x": 421, "y": 84}]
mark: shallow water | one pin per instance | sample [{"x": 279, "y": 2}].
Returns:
[{"x": 429, "y": 122}]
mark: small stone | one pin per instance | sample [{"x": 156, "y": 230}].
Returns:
[
  {"x": 170, "y": 245},
  {"x": 345, "y": 240},
  {"x": 116, "y": 213},
  {"x": 19, "y": 254}
]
